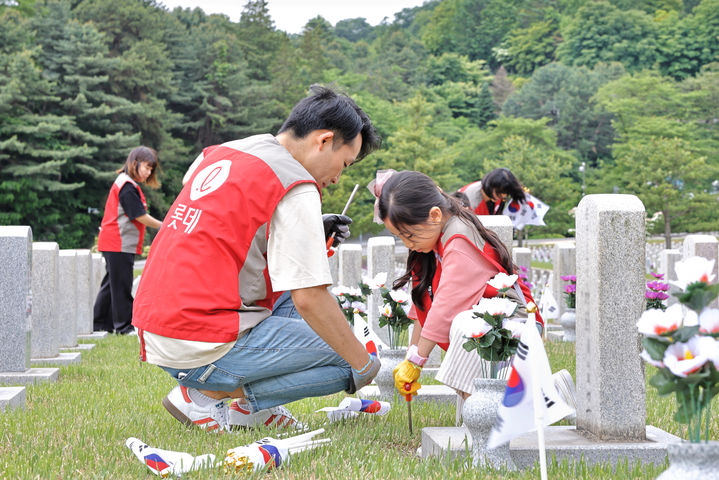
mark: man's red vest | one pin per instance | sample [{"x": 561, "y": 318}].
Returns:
[
  {"x": 117, "y": 232},
  {"x": 209, "y": 260},
  {"x": 486, "y": 251}
]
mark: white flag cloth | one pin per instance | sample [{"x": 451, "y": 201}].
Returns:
[
  {"x": 516, "y": 414},
  {"x": 372, "y": 343},
  {"x": 548, "y": 307},
  {"x": 529, "y": 212}
]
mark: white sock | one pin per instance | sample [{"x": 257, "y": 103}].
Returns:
[{"x": 200, "y": 398}]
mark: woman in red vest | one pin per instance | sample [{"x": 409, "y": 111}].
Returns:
[
  {"x": 451, "y": 259},
  {"x": 121, "y": 235}
]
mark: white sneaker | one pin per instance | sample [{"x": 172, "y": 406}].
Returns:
[
  {"x": 240, "y": 416},
  {"x": 212, "y": 417}
]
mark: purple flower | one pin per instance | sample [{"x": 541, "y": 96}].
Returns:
[
  {"x": 662, "y": 296},
  {"x": 663, "y": 287},
  {"x": 650, "y": 295},
  {"x": 523, "y": 268},
  {"x": 569, "y": 278},
  {"x": 652, "y": 285},
  {"x": 570, "y": 289},
  {"x": 529, "y": 284},
  {"x": 657, "y": 275}
]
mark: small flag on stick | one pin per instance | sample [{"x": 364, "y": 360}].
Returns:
[{"x": 530, "y": 369}]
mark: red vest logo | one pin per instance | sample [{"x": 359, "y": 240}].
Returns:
[{"x": 210, "y": 179}]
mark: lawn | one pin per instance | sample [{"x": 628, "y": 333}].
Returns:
[{"x": 77, "y": 427}]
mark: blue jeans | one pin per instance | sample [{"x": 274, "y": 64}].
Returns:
[{"x": 279, "y": 361}]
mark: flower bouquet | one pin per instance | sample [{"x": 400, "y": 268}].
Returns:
[
  {"x": 393, "y": 314},
  {"x": 570, "y": 290},
  {"x": 681, "y": 342},
  {"x": 495, "y": 336},
  {"x": 352, "y": 300},
  {"x": 656, "y": 292}
]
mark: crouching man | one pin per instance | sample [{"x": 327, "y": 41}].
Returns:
[{"x": 233, "y": 300}]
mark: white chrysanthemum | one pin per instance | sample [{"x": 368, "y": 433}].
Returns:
[
  {"x": 514, "y": 326},
  {"x": 709, "y": 321},
  {"x": 399, "y": 296},
  {"x": 692, "y": 270},
  {"x": 683, "y": 359},
  {"x": 647, "y": 358},
  {"x": 338, "y": 291},
  {"x": 354, "y": 291},
  {"x": 386, "y": 310},
  {"x": 655, "y": 322},
  {"x": 495, "y": 306},
  {"x": 377, "y": 282},
  {"x": 359, "y": 307},
  {"x": 502, "y": 280}
]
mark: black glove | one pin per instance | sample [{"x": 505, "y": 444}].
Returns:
[{"x": 337, "y": 224}]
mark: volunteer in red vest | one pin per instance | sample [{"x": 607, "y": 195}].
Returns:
[
  {"x": 246, "y": 227},
  {"x": 121, "y": 235},
  {"x": 488, "y": 196},
  {"x": 451, "y": 259}
]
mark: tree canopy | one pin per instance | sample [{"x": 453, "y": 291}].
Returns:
[{"x": 626, "y": 90}]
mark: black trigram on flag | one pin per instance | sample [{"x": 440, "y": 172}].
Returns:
[
  {"x": 522, "y": 350},
  {"x": 366, "y": 331},
  {"x": 547, "y": 401}
]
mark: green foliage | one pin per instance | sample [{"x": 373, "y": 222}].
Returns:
[
  {"x": 527, "y": 49},
  {"x": 82, "y": 82},
  {"x": 601, "y": 32},
  {"x": 564, "y": 95}
]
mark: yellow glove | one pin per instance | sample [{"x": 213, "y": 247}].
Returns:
[{"x": 404, "y": 373}]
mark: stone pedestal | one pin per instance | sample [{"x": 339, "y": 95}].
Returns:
[
  {"x": 67, "y": 298},
  {"x": 667, "y": 262},
  {"x": 380, "y": 259},
  {"x": 45, "y": 342},
  {"x": 350, "y": 264},
  {"x": 502, "y": 226},
  {"x": 85, "y": 299},
  {"x": 12, "y": 398}
]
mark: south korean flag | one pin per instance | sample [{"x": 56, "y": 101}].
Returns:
[{"x": 529, "y": 212}]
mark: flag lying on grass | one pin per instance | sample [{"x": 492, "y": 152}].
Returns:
[
  {"x": 529, "y": 212},
  {"x": 516, "y": 414}
]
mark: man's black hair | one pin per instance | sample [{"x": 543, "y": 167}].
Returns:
[{"x": 325, "y": 109}]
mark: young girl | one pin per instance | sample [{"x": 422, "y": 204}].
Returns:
[
  {"x": 121, "y": 234},
  {"x": 488, "y": 196},
  {"x": 451, "y": 259}
]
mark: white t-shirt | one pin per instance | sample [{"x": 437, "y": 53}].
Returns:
[{"x": 296, "y": 257}]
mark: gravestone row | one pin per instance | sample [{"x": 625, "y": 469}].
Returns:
[{"x": 46, "y": 297}]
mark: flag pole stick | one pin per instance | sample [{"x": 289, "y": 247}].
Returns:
[{"x": 538, "y": 409}]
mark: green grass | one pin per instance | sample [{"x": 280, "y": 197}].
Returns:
[{"x": 77, "y": 427}]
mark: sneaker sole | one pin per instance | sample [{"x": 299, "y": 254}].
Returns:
[{"x": 175, "y": 412}]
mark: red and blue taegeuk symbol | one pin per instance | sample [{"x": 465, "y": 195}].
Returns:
[
  {"x": 156, "y": 462},
  {"x": 270, "y": 454},
  {"x": 370, "y": 406},
  {"x": 371, "y": 348},
  {"x": 514, "y": 207},
  {"x": 515, "y": 390}
]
